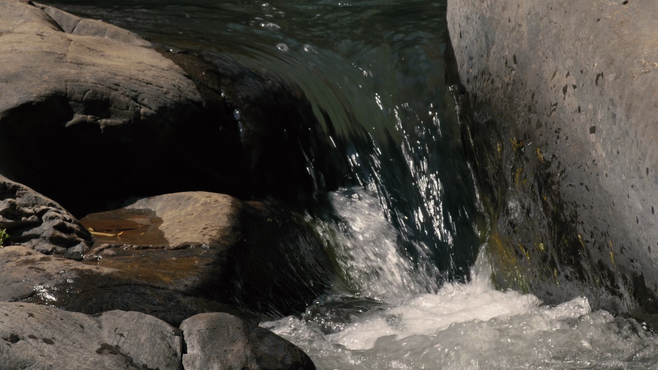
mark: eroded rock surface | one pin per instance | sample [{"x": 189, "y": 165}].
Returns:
[
  {"x": 24, "y": 273},
  {"x": 195, "y": 218},
  {"x": 222, "y": 341},
  {"x": 40, "y": 337},
  {"x": 37, "y": 222},
  {"x": 564, "y": 143},
  {"x": 185, "y": 254}
]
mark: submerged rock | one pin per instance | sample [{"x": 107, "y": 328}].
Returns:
[
  {"x": 34, "y": 221},
  {"x": 39, "y": 337},
  {"x": 563, "y": 143},
  {"x": 222, "y": 341}
]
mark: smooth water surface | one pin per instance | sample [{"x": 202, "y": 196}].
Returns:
[{"x": 407, "y": 228}]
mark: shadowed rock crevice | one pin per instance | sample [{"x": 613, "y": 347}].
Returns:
[
  {"x": 39, "y": 223},
  {"x": 115, "y": 113}
]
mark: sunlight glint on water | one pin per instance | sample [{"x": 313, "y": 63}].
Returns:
[
  {"x": 368, "y": 253},
  {"x": 462, "y": 326},
  {"x": 377, "y": 68}
]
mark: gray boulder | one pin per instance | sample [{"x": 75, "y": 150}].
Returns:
[
  {"x": 176, "y": 255},
  {"x": 89, "y": 110},
  {"x": 40, "y": 337},
  {"x": 37, "y": 222},
  {"x": 564, "y": 144},
  {"x": 217, "y": 341}
]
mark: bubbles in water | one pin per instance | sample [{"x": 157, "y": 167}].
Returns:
[
  {"x": 378, "y": 100},
  {"x": 282, "y": 47},
  {"x": 236, "y": 114},
  {"x": 471, "y": 326},
  {"x": 367, "y": 251}
]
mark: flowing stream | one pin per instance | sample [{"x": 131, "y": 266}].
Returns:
[{"x": 407, "y": 227}]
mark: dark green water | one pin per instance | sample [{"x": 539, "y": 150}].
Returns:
[{"x": 377, "y": 68}]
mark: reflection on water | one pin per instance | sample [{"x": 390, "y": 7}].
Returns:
[
  {"x": 405, "y": 226},
  {"x": 374, "y": 74}
]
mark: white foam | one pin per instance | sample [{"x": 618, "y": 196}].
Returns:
[
  {"x": 367, "y": 249},
  {"x": 473, "y": 326},
  {"x": 462, "y": 326}
]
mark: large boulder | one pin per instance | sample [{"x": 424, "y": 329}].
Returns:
[
  {"x": 222, "y": 341},
  {"x": 34, "y": 221},
  {"x": 563, "y": 142},
  {"x": 175, "y": 255},
  {"x": 39, "y": 337},
  {"x": 89, "y": 111}
]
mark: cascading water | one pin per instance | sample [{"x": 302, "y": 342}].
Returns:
[
  {"x": 473, "y": 326},
  {"x": 405, "y": 229}
]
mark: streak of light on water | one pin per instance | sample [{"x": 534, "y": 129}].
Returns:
[{"x": 460, "y": 326}]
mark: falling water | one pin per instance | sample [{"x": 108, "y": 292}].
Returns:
[
  {"x": 405, "y": 229},
  {"x": 390, "y": 324}
]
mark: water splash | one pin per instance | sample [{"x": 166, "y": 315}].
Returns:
[
  {"x": 473, "y": 326},
  {"x": 367, "y": 250}
]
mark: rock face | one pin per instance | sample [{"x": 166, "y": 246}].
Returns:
[
  {"x": 171, "y": 221},
  {"x": 222, "y": 341},
  {"x": 563, "y": 141},
  {"x": 39, "y": 337},
  {"x": 39, "y": 223},
  {"x": 91, "y": 110},
  {"x": 176, "y": 255},
  {"x": 196, "y": 218}
]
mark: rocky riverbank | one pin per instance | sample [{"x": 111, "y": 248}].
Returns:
[
  {"x": 146, "y": 143},
  {"x": 563, "y": 143}
]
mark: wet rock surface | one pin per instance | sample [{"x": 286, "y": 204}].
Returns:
[
  {"x": 160, "y": 285},
  {"x": 176, "y": 255},
  {"x": 40, "y": 337},
  {"x": 563, "y": 143},
  {"x": 97, "y": 118},
  {"x": 222, "y": 341},
  {"x": 25, "y": 273},
  {"x": 37, "y": 222}
]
